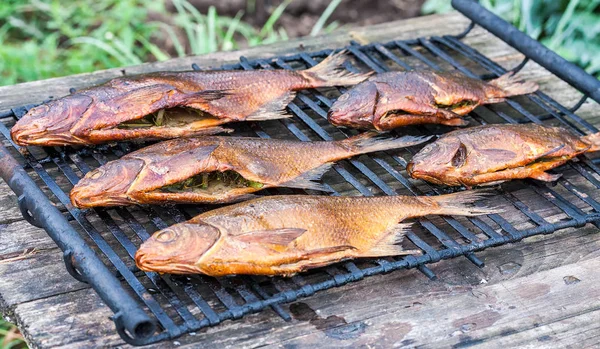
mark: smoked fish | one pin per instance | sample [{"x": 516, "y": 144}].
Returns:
[
  {"x": 140, "y": 107},
  {"x": 284, "y": 235},
  {"x": 216, "y": 169},
  {"x": 491, "y": 154},
  {"x": 390, "y": 100}
]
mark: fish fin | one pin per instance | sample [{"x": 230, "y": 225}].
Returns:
[
  {"x": 322, "y": 257},
  {"x": 327, "y": 250},
  {"x": 455, "y": 122},
  {"x": 494, "y": 100},
  {"x": 489, "y": 184},
  {"x": 306, "y": 180},
  {"x": 331, "y": 72},
  {"x": 281, "y": 236},
  {"x": 552, "y": 151},
  {"x": 205, "y": 96},
  {"x": 274, "y": 109},
  {"x": 462, "y": 203},
  {"x": 594, "y": 140},
  {"x": 545, "y": 176},
  {"x": 368, "y": 142},
  {"x": 388, "y": 245},
  {"x": 512, "y": 86}
]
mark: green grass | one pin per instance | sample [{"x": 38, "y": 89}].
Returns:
[
  {"x": 569, "y": 27},
  {"x": 40, "y": 39},
  {"x": 9, "y": 339}
]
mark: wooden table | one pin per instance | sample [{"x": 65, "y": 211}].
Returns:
[{"x": 544, "y": 291}]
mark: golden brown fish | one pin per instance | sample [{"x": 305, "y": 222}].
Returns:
[
  {"x": 133, "y": 107},
  {"x": 219, "y": 169},
  {"x": 389, "y": 100},
  {"x": 284, "y": 235},
  {"x": 492, "y": 154}
]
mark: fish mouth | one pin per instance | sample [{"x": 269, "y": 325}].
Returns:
[
  {"x": 107, "y": 185},
  {"x": 81, "y": 200},
  {"x": 420, "y": 174},
  {"x": 151, "y": 263},
  {"x": 428, "y": 177},
  {"x": 350, "y": 119},
  {"x": 50, "y": 124}
]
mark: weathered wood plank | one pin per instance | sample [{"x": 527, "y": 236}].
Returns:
[
  {"x": 40, "y": 275},
  {"x": 84, "y": 324},
  {"x": 9, "y": 212},
  {"x": 21, "y": 236}
]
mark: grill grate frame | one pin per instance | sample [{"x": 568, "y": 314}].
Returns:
[{"x": 185, "y": 304}]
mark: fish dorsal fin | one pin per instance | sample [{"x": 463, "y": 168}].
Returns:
[
  {"x": 306, "y": 179},
  {"x": 545, "y": 176},
  {"x": 274, "y": 109},
  {"x": 282, "y": 236},
  {"x": 388, "y": 245}
]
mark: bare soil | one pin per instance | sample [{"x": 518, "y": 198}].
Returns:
[{"x": 301, "y": 15}]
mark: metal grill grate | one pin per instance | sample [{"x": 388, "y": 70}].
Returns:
[{"x": 184, "y": 304}]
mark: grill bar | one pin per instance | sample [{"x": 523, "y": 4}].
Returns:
[{"x": 180, "y": 304}]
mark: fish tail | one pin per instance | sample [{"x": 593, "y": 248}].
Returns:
[
  {"x": 331, "y": 72},
  {"x": 368, "y": 142},
  {"x": 593, "y": 140},
  {"x": 513, "y": 85},
  {"x": 463, "y": 203}
]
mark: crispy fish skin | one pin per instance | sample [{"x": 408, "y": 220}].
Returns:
[
  {"x": 137, "y": 178},
  {"x": 390, "y": 100},
  {"x": 91, "y": 116},
  {"x": 491, "y": 154},
  {"x": 284, "y": 235}
]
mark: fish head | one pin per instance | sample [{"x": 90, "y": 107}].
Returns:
[
  {"x": 50, "y": 124},
  {"x": 107, "y": 185},
  {"x": 356, "y": 107},
  {"x": 439, "y": 162},
  {"x": 177, "y": 249}
]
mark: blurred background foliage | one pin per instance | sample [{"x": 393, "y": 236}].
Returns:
[
  {"x": 47, "y": 38},
  {"x": 42, "y": 39}
]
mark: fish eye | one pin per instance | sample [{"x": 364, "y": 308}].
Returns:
[
  {"x": 167, "y": 235},
  {"x": 343, "y": 97}
]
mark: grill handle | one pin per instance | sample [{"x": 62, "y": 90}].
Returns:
[
  {"x": 129, "y": 316},
  {"x": 531, "y": 48}
]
